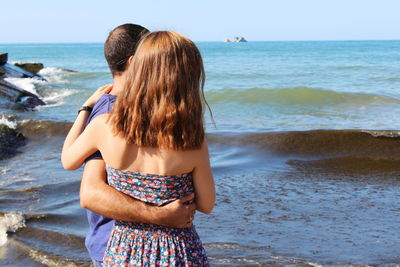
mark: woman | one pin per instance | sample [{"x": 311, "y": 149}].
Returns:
[{"x": 154, "y": 147}]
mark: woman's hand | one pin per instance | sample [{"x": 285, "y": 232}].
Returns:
[{"x": 105, "y": 89}]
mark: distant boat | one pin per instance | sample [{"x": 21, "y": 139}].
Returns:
[{"x": 236, "y": 40}]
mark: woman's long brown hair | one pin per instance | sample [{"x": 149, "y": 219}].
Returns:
[{"x": 162, "y": 102}]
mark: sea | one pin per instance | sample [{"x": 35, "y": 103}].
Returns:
[{"x": 305, "y": 151}]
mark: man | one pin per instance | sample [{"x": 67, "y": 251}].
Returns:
[{"x": 96, "y": 195}]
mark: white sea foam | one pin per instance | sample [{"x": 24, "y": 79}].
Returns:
[
  {"x": 51, "y": 71},
  {"x": 56, "y": 98},
  {"x": 9, "y": 124},
  {"x": 314, "y": 264},
  {"x": 27, "y": 84},
  {"x": 54, "y": 75},
  {"x": 4, "y": 170},
  {"x": 10, "y": 222},
  {"x": 59, "y": 95}
]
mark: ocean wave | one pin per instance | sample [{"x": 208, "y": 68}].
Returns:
[
  {"x": 239, "y": 76},
  {"x": 55, "y": 75},
  {"x": 86, "y": 76},
  {"x": 49, "y": 91},
  {"x": 47, "y": 259},
  {"x": 312, "y": 143},
  {"x": 45, "y": 90},
  {"x": 52, "y": 71},
  {"x": 56, "y": 97},
  {"x": 8, "y": 123},
  {"x": 28, "y": 84},
  {"x": 33, "y": 128},
  {"x": 10, "y": 222},
  {"x": 319, "y": 143},
  {"x": 294, "y": 96},
  {"x": 15, "y": 180},
  {"x": 349, "y": 67},
  {"x": 4, "y": 170}
]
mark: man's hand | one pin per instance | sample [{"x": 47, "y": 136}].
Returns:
[
  {"x": 96, "y": 195},
  {"x": 177, "y": 214},
  {"x": 105, "y": 89}
]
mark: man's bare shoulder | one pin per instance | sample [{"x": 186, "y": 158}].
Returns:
[{"x": 102, "y": 117}]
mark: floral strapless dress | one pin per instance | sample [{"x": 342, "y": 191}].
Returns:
[{"x": 138, "y": 244}]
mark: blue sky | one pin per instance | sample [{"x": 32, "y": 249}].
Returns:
[{"x": 206, "y": 20}]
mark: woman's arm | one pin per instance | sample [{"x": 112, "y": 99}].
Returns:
[
  {"x": 80, "y": 144},
  {"x": 204, "y": 182}
]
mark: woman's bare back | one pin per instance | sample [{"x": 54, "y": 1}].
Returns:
[{"x": 118, "y": 154}]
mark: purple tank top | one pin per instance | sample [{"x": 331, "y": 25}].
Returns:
[{"x": 99, "y": 226}]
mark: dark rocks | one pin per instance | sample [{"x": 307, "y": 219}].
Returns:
[
  {"x": 10, "y": 141},
  {"x": 31, "y": 67},
  {"x": 240, "y": 40},
  {"x": 19, "y": 70},
  {"x": 9, "y": 91},
  {"x": 29, "y": 102},
  {"x": 3, "y": 58},
  {"x": 20, "y": 96},
  {"x": 16, "y": 72},
  {"x": 236, "y": 40}
]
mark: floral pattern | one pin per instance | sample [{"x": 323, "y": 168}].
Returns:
[{"x": 136, "y": 244}]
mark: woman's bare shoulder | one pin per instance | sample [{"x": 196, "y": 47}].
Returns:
[{"x": 198, "y": 156}]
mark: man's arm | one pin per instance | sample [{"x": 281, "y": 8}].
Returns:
[{"x": 96, "y": 195}]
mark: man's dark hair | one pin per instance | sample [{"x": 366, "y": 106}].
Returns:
[{"x": 121, "y": 43}]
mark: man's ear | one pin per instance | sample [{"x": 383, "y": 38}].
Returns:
[{"x": 130, "y": 59}]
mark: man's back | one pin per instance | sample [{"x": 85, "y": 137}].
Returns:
[{"x": 99, "y": 226}]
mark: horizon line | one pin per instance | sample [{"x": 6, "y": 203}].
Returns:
[{"x": 214, "y": 41}]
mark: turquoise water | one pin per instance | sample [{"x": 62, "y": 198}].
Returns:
[
  {"x": 262, "y": 85},
  {"x": 287, "y": 194}
]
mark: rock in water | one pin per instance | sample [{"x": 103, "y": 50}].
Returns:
[
  {"x": 3, "y": 58},
  {"x": 30, "y": 102},
  {"x": 16, "y": 72},
  {"x": 19, "y": 70},
  {"x": 31, "y": 67},
  {"x": 240, "y": 40},
  {"x": 10, "y": 141},
  {"x": 20, "y": 96}
]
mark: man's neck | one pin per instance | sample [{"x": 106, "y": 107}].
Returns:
[{"x": 118, "y": 85}]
